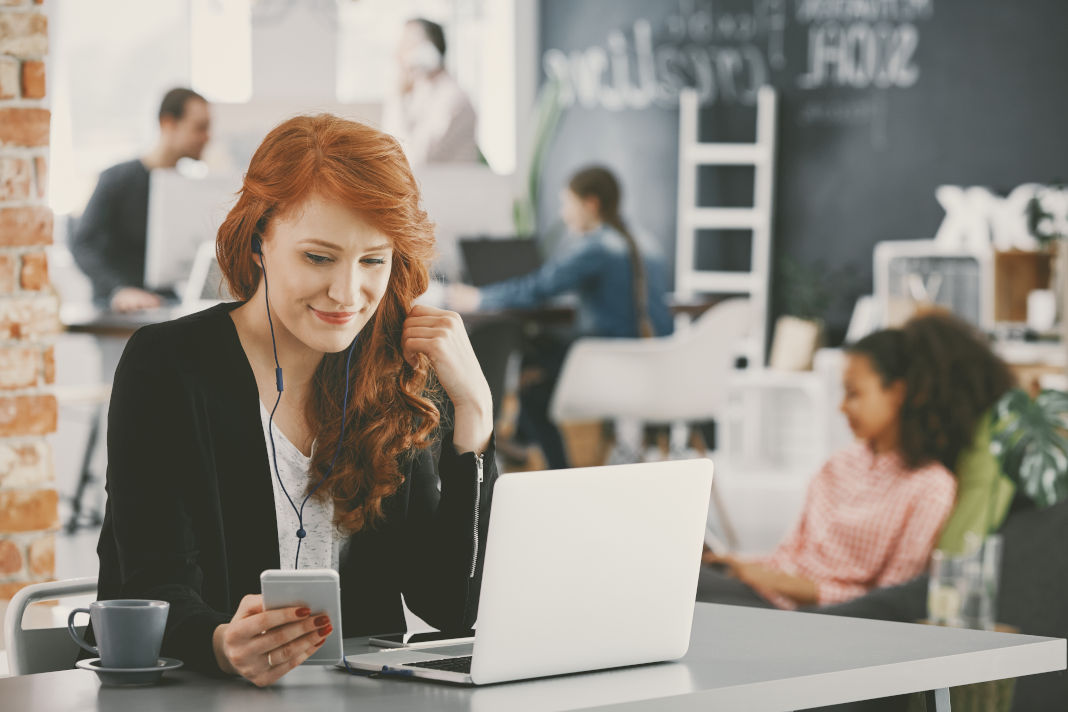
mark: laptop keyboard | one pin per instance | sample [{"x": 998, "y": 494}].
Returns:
[{"x": 462, "y": 664}]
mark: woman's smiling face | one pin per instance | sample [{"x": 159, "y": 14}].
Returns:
[{"x": 327, "y": 271}]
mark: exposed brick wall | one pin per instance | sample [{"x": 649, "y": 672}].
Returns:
[
  {"x": 9, "y": 78},
  {"x": 29, "y": 308},
  {"x": 33, "y": 80}
]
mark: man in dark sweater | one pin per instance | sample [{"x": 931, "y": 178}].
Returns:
[{"x": 109, "y": 240}]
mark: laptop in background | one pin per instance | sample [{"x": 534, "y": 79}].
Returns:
[
  {"x": 491, "y": 259},
  {"x": 206, "y": 286},
  {"x": 585, "y": 569}
]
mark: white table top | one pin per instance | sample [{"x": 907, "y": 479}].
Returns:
[
  {"x": 739, "y": 658},
  {"x": 1051, "y": 353}
]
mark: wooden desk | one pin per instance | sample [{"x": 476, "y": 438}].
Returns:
[{"x": 739, "y": 658}]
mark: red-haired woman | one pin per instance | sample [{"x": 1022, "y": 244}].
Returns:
[{"x": 299, "y": 425}]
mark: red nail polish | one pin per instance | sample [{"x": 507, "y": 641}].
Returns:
[
  {"x": 326, "y": 631},
  {"x": 303, "y": 612},
  {"x": 321, "y": 621}
]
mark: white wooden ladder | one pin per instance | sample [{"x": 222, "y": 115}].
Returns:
[{"x": 694, "y": 154}]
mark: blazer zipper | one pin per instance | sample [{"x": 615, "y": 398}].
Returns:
[{"x": 478, "y": 497}]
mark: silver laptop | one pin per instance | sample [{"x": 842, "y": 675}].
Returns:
[
  {"x": 206, "y": 286},
  {"x": 585, "y": 569}
]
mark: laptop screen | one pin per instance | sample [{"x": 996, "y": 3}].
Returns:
[
  {"x": 492, "y": 259},
  {"x": 214, "y": 287}
]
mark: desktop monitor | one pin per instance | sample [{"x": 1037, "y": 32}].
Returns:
[
  {"x": 911, "y": 273},
  {"x": 464, "y": 199},
  {"x": 183, "y": 213},
  {"x": 490, "y": 259}
]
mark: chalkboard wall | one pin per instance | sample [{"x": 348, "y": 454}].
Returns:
[{"x": 881, "y": 101}]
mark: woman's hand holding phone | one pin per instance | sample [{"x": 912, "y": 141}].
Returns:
[{"x": 262, "y": 646}]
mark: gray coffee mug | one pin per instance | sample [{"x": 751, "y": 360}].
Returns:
[{"x": 129, "y": 631}]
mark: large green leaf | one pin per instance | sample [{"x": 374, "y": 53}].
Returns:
[{"x": 1028, "y": 438}]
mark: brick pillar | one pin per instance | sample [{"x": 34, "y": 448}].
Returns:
[{"x": 29, "y": 307}]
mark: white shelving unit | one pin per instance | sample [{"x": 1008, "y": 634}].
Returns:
[
  {"x": 694, "y": 154},
  {"x": 773, "y": 439},
  {"x": 776, "y": 420}
]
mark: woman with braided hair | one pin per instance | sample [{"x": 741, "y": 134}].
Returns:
[{"x": 620, "y": 285}]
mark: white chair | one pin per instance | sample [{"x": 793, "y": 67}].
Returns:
[
  {"x": 674, "y": 380},
  {"x": 42, "y": 649},
  {"x": 664, "y": 380}
]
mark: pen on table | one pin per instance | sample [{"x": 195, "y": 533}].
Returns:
[{"x": 387, "y": 670}]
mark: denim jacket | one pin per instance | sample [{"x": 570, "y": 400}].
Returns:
[{"x": 597, "y": 268}]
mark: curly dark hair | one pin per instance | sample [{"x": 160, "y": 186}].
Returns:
[{"x": 952, "y": 377}]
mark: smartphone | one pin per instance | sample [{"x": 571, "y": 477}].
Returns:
[
  {"x": 420, "y": 640},
  {"x": 319, "y": 590}
]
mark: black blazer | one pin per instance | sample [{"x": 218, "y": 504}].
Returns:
[{"x": 190, "y": 513}]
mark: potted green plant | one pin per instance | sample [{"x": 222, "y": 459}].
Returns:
[
  {"x": 547, "y": 110},
  {"x": 1028, "y": 437},
  {"x": 803, "y": 297}
]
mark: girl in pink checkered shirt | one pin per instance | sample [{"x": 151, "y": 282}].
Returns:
[{"x": 873, "y": 513}]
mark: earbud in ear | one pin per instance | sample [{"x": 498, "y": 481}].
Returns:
[{"x": 257, "y": 246}]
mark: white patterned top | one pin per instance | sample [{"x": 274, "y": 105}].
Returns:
[{"x": 322, "y": 545}]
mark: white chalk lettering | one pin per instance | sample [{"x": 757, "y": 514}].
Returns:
[
  {"x": 976, "y": 218},
  {"x": 728, "y": 56},
  {"x": 810, "y": 11},
  {"x": 859, "y": 55}
]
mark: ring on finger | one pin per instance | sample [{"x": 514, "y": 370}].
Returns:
[{"x": 269, "y": 663}]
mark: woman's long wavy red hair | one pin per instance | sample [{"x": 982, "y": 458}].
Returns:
[{"x": 389, "y": 412}]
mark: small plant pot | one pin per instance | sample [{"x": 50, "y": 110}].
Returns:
[{"x": 794, "y": 343}]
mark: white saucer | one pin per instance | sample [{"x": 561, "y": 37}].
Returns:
[{"x": 129, "y": 677}]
